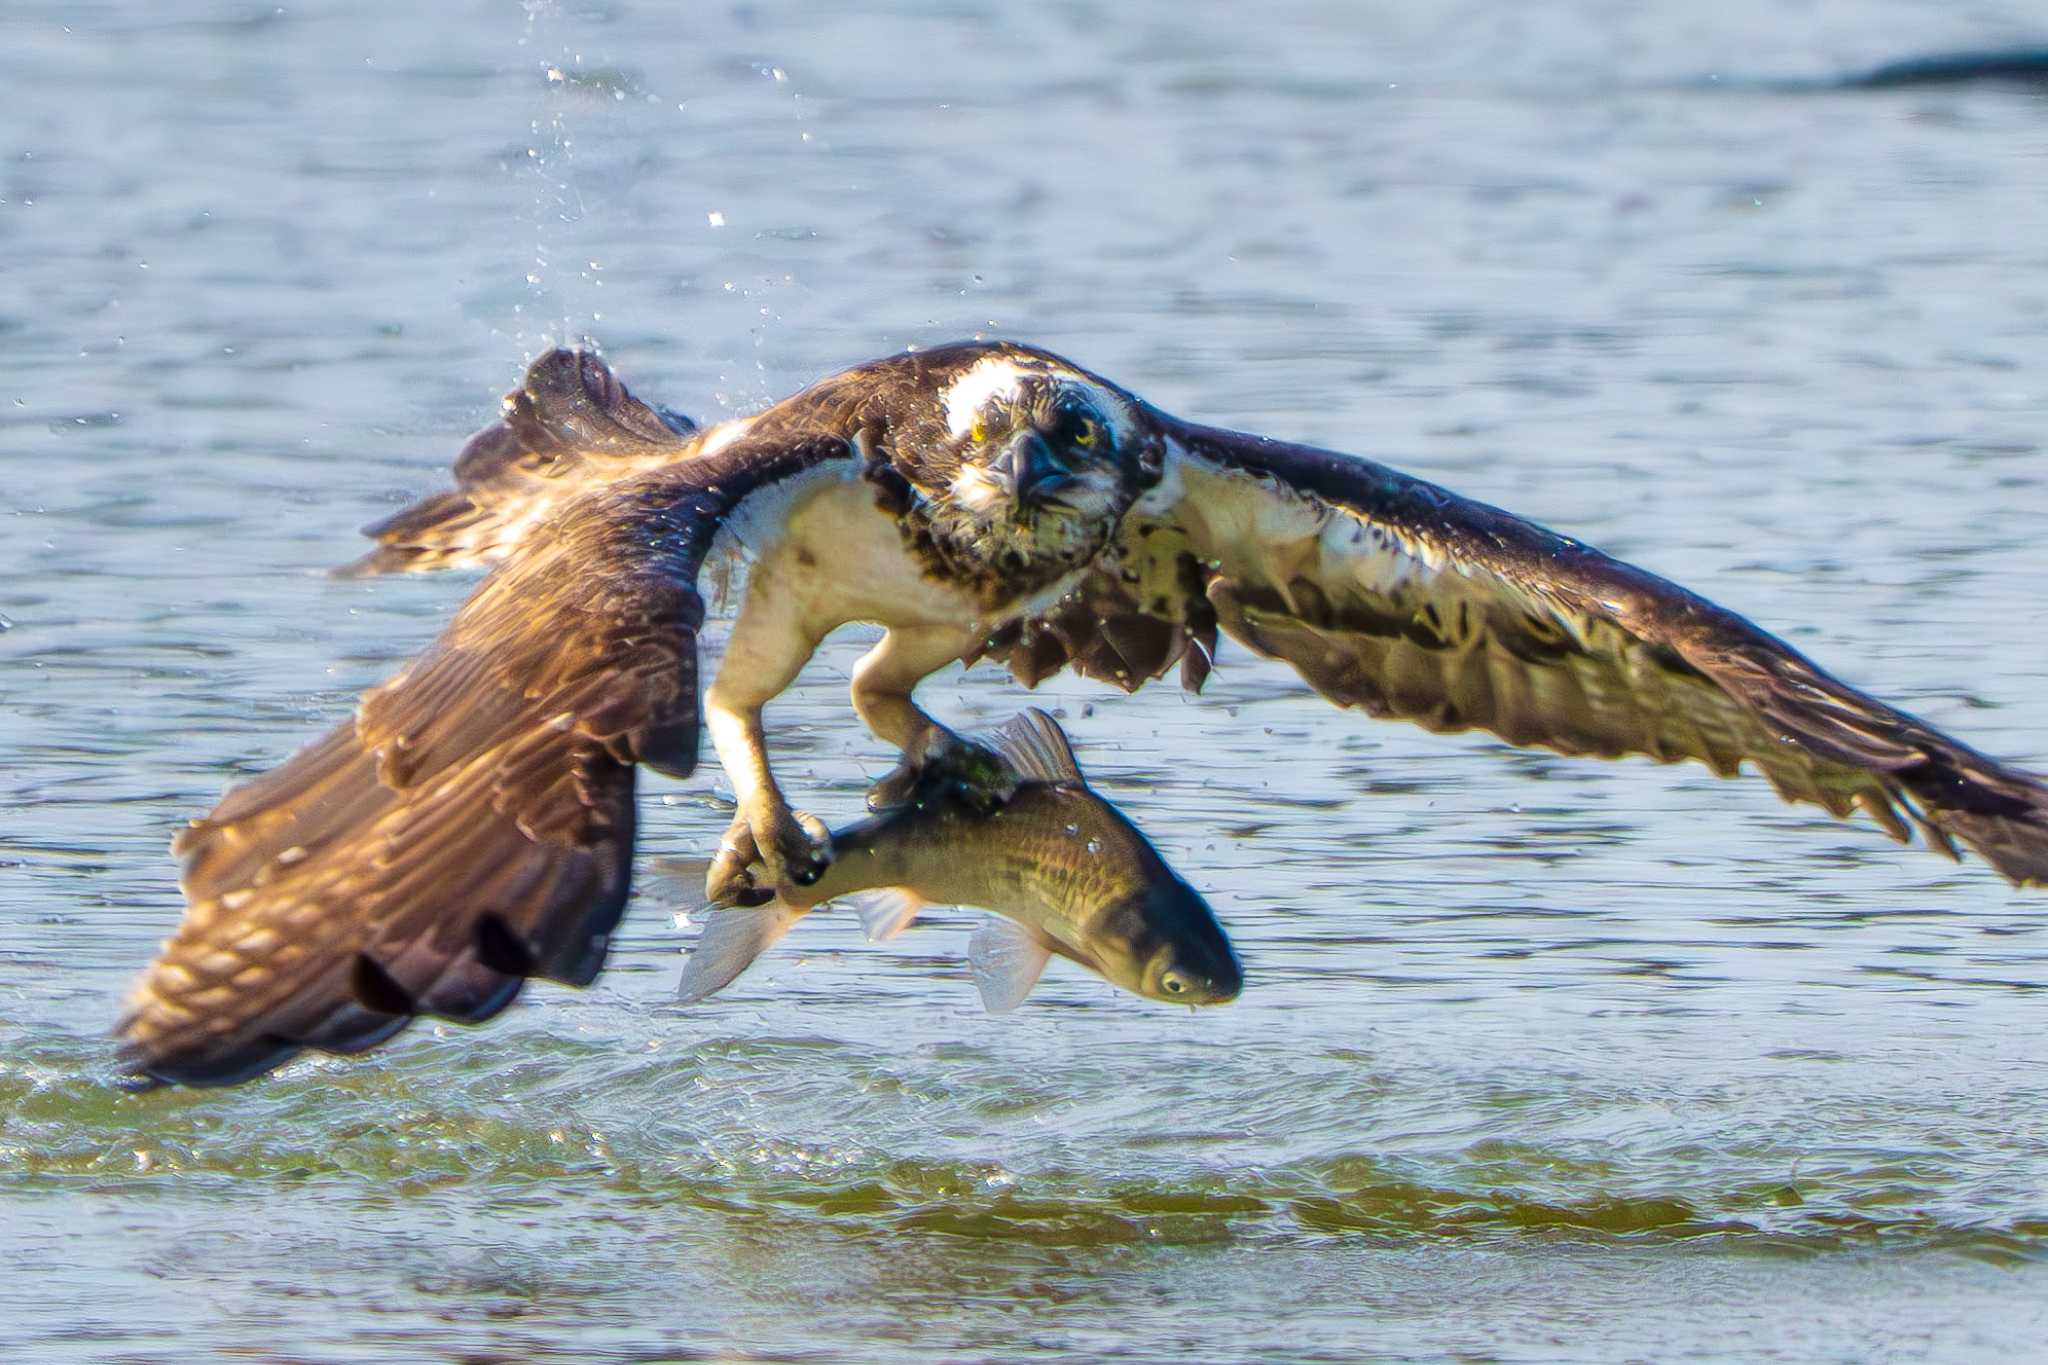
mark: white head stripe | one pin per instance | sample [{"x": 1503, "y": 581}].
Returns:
[
  {"x": 987, "y": 379},
  {"x": 1000, "y": 376}
]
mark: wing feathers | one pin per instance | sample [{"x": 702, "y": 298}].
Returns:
[
  {"x": 473, "y": 824},
  {"x": 1405, "y": 601},
  {"x": 571, "y": 426}
]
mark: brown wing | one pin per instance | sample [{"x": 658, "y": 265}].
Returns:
[
  {"x": 1407, "y": 601},
  {"x": 473, "y": 824},
  {"x": 569, "y": 427}
]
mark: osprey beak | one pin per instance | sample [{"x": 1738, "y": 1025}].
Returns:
[{"x": 1028, "y": 470}]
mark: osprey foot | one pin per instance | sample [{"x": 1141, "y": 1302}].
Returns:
[
  {"x": 759, "y": 856},
  {"x": 947, "y": 767}
]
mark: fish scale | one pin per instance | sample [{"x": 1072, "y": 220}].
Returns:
[{"x": 1069, "y": 874}]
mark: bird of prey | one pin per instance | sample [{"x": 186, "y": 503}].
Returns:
[{"x": 472, "y": 824}]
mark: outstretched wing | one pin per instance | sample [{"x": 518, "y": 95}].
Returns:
[
  {"x": 569, "y": 427},
  {"x": 473, "y": 824},
  {"x": 1402, "y": 599}
]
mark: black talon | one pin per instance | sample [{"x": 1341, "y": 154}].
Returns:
[
  {"x": 982, "y": 801},
  {"x": 952, "y": 770},
  {"x": 894, "y": 788}
]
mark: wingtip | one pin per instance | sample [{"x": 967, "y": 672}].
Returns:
[
  {"x": 385, "y": 559},
  {"x": 561, "y": 368}
]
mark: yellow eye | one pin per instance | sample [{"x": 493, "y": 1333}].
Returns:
[
  {"x": 1084, "y": 432},
  {"x": 975, "y": 433}
]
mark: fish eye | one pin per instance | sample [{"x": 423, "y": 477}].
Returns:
[{"x": 1172, "y": 982}]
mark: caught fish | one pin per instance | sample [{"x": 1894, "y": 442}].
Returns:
[{"x": 1063, "y": 871}]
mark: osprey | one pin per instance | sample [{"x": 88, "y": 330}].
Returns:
[{"x": 472, "y": 825}]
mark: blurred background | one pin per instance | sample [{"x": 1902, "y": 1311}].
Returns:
[{"x": 1536, "y": 1059}]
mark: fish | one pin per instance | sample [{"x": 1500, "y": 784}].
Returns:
[{"x": 1064, "y": 872}]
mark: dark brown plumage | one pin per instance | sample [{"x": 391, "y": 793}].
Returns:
[
  {"x": 1407, "y": 601},
  {"x": 570, "y": 427},
  {"x": 473, "y": 824}
]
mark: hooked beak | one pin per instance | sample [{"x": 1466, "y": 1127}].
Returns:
[{"x": 1029, "y": 473}]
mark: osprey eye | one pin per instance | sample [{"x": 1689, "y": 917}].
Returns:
[
  {"x": 975, "y": 433},
  {"x": 1082, "y": 431}
]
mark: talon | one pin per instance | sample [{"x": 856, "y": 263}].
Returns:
[
  {"x": 895, "y": 788},
  {"x": 771, "y": 851},
  {"x": 814, "y": 854},
  {"x": 947, "y": 767},
  {"x": 730, "y": 878},
  {"x": 984, "y": 800}
]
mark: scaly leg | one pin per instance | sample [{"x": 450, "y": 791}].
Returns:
[
  {"x": 769, "y": 646},
  {"x": 882, "y": 683}
]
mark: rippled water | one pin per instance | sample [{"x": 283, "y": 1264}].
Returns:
[{"x": 1536, "y": 1059}]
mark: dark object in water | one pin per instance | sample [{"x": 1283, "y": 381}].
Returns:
[{"x": 1997, "y": 66}]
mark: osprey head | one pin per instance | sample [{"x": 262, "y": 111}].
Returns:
[{"x": 1046, "y": 458}]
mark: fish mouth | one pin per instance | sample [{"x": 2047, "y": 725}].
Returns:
[
  {"x": 1178, "y": 981},
  {"x": 1180, "y": 987},
  {"x": 1184, "y": 957}
]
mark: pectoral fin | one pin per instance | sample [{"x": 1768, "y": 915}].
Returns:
[
  {"x": 687, "y": 874},
  {"x": 1007, "y": 960},
  {"x": 887, "y": 912},
  {"x": 733, "y": 937}
]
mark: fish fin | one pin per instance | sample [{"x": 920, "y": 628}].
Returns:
[
  {"x": 888, "y": 911},
  {"x": 733, "y": 937},
  {"x": 1036, "y": 747},
  {"x": 1007, "y": 960},
  {"x": 689, "y": 873}
]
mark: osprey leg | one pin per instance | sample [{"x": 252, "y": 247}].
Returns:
[
  {"x": 769, "y": 646},
  {"x": 882, "y": 685}
]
